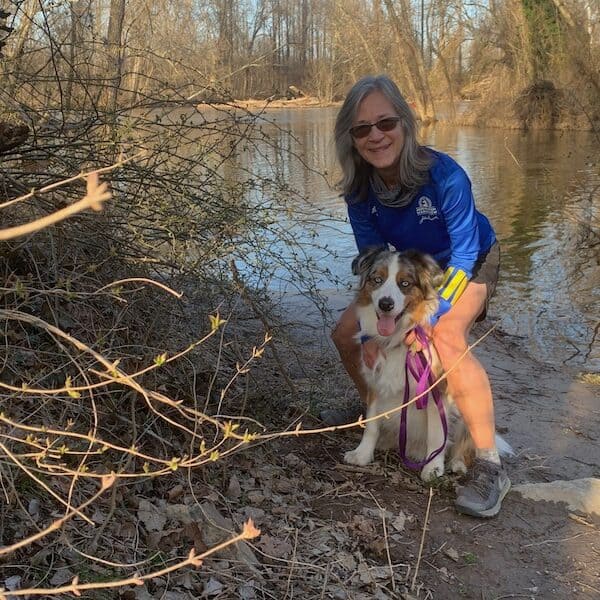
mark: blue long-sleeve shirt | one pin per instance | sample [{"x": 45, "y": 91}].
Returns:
[{"x": 441, "y": 220}]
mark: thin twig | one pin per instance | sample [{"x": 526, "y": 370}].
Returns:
[
  {"x": 63, "y": 182},
  {"x": 142, "y": 280},
  {"x": 567, "y": 539},
  {"x": 95, "y": 196},
  {"x": 386, "y": 539},
  {"x": 412, "y": 586}
]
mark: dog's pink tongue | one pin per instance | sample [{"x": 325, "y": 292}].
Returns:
[{"x": 386, "y": 325}]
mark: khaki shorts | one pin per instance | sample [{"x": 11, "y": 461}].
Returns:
[{"x": 486, "y": 271}]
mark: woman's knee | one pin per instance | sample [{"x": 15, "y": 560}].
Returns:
[{"x": 449, "y": 342}]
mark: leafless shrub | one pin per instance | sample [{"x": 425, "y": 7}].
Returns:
[{"x": 539, "y": 104}]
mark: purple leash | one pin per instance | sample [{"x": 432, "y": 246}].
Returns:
[{"x": 419, "y": 367}]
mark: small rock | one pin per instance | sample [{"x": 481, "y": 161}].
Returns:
[
  {"x": 578, "y": 494},
  {"x": 292, "y": 460},
  {"x": 175, "y": 493},
  {"x": 153, "y": 518},
  {"x": 256, "y": 498},
  {"x": 254, "y": 513},
  {"x": 247, "y": 591},
  {"x": 98, "y": 517},
  {"x": 213, "y": 587},
  {"x": 451, "y": 553},
  {"x": 234, "y": 490},
  {"x": 399, "y": 522},
  {"x": 346, "y": 561},
  {"x": 285, "y": 486},
  {"x": 12, "y": 583},
  {"x": 61, "y": 577},
  {"x": 33, "y": 508}
]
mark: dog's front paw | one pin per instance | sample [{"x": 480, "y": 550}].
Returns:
[
  {"x": 358, "y": 457},
  {"x": 432, "y": 471},
  {"x": 457, "y": 465}
]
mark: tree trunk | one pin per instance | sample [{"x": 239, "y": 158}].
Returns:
[
  {"x": 580, "y": 46},
  {"x": 78, "y": 10},
  {"x": 115, "y": 53},
  {"x": 14, "y": 49},
  {"x": 417, "y": 79}
]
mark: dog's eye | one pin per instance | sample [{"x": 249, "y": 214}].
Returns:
[
  {"x": 404, "y": 283},
  {"x": 377, "y": 280}
]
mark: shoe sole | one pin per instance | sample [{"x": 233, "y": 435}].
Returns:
[{"x": 488, "y": 513}]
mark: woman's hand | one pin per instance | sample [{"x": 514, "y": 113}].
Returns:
[{"x": 370, "y": 351}]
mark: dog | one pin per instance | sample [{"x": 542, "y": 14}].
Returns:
[{"x": 397, "y": 292}]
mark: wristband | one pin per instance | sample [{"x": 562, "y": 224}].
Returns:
[
  {"x": 454, "y": 284},
  {"x": 443, "y": 307}
]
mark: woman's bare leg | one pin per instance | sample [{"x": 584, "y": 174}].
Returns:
[
  {"x": 468, "y": 382},
  {"x": 348, "y": 348}
]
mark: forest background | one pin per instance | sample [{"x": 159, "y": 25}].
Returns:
[
  {"x": 129, "y": 331},
  {"x": 90, "y": 55}
]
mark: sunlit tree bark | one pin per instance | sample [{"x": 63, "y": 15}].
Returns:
[
  {"x": 416, "y": 75},
  {"x": 114, "y": 51}
]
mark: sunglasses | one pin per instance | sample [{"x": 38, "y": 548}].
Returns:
[{"x": 363, "y": 130}]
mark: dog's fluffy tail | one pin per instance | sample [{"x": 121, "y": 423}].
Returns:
[
  {"x": 463, "y": 448},
  {"x": 504, "y": 448}
]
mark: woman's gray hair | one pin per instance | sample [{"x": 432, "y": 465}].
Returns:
[{"x": 413, "y": 170}]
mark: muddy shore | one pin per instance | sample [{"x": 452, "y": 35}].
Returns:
[{"x": 532, "y": 549}]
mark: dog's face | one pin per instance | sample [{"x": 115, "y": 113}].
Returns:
[{"x": 396, "y": 284}]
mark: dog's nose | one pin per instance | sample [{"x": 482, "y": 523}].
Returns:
[{"x": 386, "y": 304}]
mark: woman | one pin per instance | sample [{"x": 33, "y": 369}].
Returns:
[{"x": 405, "y": 195}]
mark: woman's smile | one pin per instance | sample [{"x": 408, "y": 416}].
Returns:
[{"x": 381, "y": 149}]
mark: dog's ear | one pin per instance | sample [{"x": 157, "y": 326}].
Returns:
[
  {"x": 364, "y": 261},
  {"x": 429, "y": 271}
]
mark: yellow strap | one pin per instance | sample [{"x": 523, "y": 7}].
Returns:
[
  {"x": 455, "y": 285},
  {"x": 459, "y": 290}
]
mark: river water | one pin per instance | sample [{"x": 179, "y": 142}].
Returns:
[{"x": 541, "y": 191}]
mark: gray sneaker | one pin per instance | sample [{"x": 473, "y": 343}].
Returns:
[
  {"x": 484, "y": 489},
  {"x": 340, "y": 416}
]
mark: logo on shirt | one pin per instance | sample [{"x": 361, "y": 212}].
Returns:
[{"x": 426, "y": 210}]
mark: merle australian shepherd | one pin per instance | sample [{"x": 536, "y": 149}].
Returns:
[{"x": 398, "y": 291}]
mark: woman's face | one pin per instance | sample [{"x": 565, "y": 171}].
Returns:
[{"x": 380, "y": 148}]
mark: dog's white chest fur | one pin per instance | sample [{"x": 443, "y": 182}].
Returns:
[{"x": 388, "y": 381}]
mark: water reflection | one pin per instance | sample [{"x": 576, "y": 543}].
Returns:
[{"x": 539, "y": 189}]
